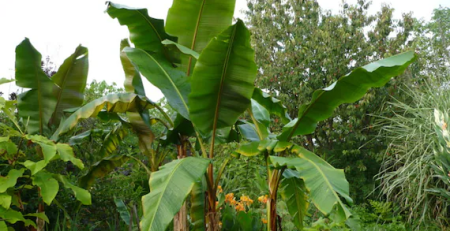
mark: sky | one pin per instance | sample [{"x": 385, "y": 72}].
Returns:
[{"x": 57, "y": 27}]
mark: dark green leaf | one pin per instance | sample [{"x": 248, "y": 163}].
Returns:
[
  {"x": 71, "y": 83},
  {"x": 195, "y": 23},
  {"x": 169, "y": 187},
  {"x": 38, "y": 103},
  {"x": 222, "y": 82},
  {"x": 347, "y": 89}
]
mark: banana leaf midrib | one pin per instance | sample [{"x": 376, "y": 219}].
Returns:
[
  {"x": 222, "y": 78},
  {"x": 194, "y": 39}
]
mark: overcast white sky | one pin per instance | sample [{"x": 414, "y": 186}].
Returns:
[{"x": 56, "y": 27}]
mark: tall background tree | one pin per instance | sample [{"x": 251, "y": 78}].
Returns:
[{"x": 302, "y": 47}]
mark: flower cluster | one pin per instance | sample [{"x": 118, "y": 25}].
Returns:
[
  {"x": 240, "y": 205},
  {"x": 263, "y": 199}
]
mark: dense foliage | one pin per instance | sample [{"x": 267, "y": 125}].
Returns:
[{"x": 254, "y": 125}]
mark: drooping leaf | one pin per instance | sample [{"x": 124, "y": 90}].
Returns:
[
  {"x": 169, "y": 187},
  {"x": 347, "y": 89},
  {"x": 101, "y": 169},
  {"x": 5, "y": 200},
  {"x": 86, "y": 136},
  {"x": 161, "y": 73},
  {"x": 71, "y": 82},
  {"x": 10, "y": 180},
  {"x": 324, "y": 182},
  {"x": 118, "y": 102},
  {"x": 197, "y": 213},
  {"x": 133, "y": 81},
  {"x": 258, "y": 147},
  {"x": 181, "y": 48},
  {"x": 195, "y": 23},
  {"x": 81, "y": 194},
  {"x": 123, "y": 210},
  {"x": 112, "y": 141},
  {"x": 273, "y": 105},
  {"x": 250, "y": 149},
  {"x": 181, "y": 126},
  {"x": 107, "y": 161},
  {"x": 260, "y": 113},
  {"x": 222, "y": 82},
  {"x": 248, "y": 131},
  {"x": 38, "y": 103},
  {"x": 138, "y": 121},
  {"x": 294, "y": 193},
  {"x": 66, "y": 154},
  {"x": 260, "y": 119},
  {"x": 146, "y": 33},
  {"x": 48, "y": 186}
]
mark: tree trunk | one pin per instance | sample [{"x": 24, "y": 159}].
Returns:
[
  {"x": 180, "y": 219},
  {"x": 212, "y": 223},
  {"x": 274, "y": 180}
]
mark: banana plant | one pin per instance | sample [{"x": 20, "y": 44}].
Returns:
[
  {"x": 210, "y": 87},
  {"x": 195, "y": 28},
  {"x": 306, "y": 175},
  {"x": 42, "y": 107}
]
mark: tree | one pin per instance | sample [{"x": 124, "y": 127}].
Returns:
[{"x": 300, "y": 47}]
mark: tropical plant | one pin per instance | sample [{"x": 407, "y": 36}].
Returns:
[
  {"x": 346, "y": 139},
  {"x": 25, "y": 158},
  {"x": 219, "y": 91},
  {"x": 407, "y": 173},
  {"x": 41, "y": 109}
]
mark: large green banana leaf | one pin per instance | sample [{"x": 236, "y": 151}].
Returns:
[
  {"x": 169, "y": 188},
  {"x": 106, "y": 161},
  {"x": 160, "y": 72},
  {"x": 196, "y": 22},
  {"x": 347, "y": 89},
  {"x": 36, "y": 105},
  {"x": 118, "y": 103},
  {"x": 273, "y": 105},
  {"x": 145, "y": 32},
  {"x": 222, "y": 82},
  {"x": 71, "y": 80},
  {"x": 294, "y": 193},
  {"x": 324, "y": 183}
]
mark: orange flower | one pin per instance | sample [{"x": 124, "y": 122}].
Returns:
[
  {"x": 240, "y": 207},
  {"x": 229, "y": 197},
  {"x": 217, "y": 204},
  {"x": 219, "y": 189},
  {"x": 264, "y": 220},
  {"x": 233, "y": 202},
  {"x": 220, "y": 223},
  {"x": 263, "y": 199},
  {"x": 246, "y": 200}
]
